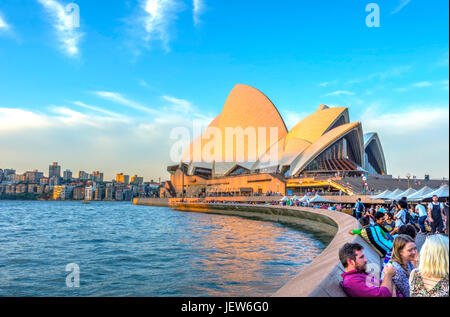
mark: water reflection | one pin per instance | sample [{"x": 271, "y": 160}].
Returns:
[
  {"x": 126, "y": 250},
  {"x": 244, "y": 253}
]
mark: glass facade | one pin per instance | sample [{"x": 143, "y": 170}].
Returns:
[
  {"x": 338, "y": 157},
  {"x": 370, "y": 162}
]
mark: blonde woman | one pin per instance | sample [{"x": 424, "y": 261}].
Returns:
[
  {"x": 404, "y": 253},
  {"x": 430, "y": 279}
]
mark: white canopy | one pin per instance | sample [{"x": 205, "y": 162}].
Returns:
[
  {"x": 304, "y": 198},
  {"x": 295, "y": 198},
  {"x": 421, "y": 192},
  {"x": 382, "y": 195},
  {"x": 393, "y": 194},
  {"x": 407, "y": 192},
  {"x": 319, "y": 199},
  {"x": 440, "y": 192},
  {"x": 284, "y": 198}
]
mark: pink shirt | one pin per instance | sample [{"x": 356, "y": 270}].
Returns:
[{"x": 355, "y": 284}]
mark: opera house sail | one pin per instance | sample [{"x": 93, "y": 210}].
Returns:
[{"x": 247, "y": 149}]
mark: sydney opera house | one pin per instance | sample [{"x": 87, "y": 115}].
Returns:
[{"x": 268, "y": 158}]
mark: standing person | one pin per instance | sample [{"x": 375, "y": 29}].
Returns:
[
  {"x": 430, "y": 279},
  {"x": 354, "y": 280},
  {"x": 404, "y": 252},
  {"x": 393, "y": 206},
  {"x": 435, "y": 215},
  {"x": 359, "y": 208},
  {"x": 401, "y": 217},
  {"x": 422, "y": 213}
]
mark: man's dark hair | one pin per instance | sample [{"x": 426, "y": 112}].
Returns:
[
  {"x": 359, "y": 199},
  {"x": 379, "y": 215},
  {"x": 408, "y": 230},
  {"x": 348, "y": 252},
  {"x": 403, "y": 204},
  {"x": 390, "y": 215},
  {"x": 364, "y": 221}
]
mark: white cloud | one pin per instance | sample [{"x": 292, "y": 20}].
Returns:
[
  {"x": 12, "y": 119},
  {"x": 402, "y": 123},
  {"x": 393, "y": 72},
  {"x": 340, "y": 92},
  {"x": 198, "y": 9},
  {"x": 68, "y": 34},
  {"x": 422, "y": 84},
  {"x": 3, "y": 25},
  {"x": 414, "y": 140},
  {"x": 87, "y": 137},
  {"x": 119, "y": 99},
  {"x": 327, "y": 83},
  {"x": 383, "y": 75},
  {"x": 156, "y": 19},
  {"x": 179, "y": 104},
  {"x": 97, "y": 109},
  {"x": 402, "y": 4}
]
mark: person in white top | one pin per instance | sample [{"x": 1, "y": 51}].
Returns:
[
  {"x": 435, "y": 215},
  {"x": 422, "y": 212}
]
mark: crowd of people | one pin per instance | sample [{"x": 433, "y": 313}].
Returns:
[{"x": 392, "y": 233}]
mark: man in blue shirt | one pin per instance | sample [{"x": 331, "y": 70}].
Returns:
[
  {"x": 422, "y": 213},
  {"x": 359, "y": 208}
]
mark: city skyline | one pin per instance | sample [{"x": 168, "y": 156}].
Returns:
[
  {"x": 105, "y": 95},
  {"x": 74, "y": 174}
]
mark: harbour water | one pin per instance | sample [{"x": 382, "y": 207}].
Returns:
[{"x": 127, "y": 250}]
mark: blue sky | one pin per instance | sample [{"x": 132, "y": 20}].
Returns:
[{"x": 105, "y": 95}]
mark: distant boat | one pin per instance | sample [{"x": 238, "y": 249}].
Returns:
[{"x": 86, "y": 202}]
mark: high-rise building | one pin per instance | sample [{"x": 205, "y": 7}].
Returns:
[
  {"x": 54, "y": 170},
  {"x": 67, "y": 175},
  {"x": 96, "y": 176},
  {"x": 135, "y": 180},
  {"x": 34, "y": 176},
  {"x": 83, "y": 176},
  {"x": 123, "y": 179}
]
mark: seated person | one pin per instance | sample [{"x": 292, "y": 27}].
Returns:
[
  {"x": 354, "y": 280},
  {"x": 379, "y": 221},
  {"x": 374, "y": 236},
  {"x": 408, "y": 230},
  {"x": 389, "y": 222}
]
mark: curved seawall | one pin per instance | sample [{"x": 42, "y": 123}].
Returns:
[{"x": 321, "y": 277}]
